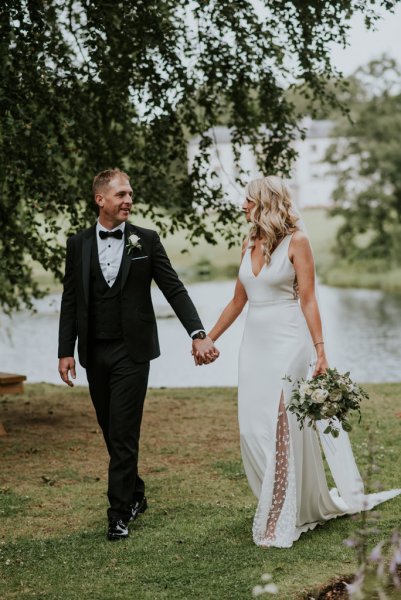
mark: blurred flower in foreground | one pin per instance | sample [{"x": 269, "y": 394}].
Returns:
[{"x": 267, "y": 588}]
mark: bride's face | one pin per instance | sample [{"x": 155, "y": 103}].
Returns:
[{"x": 247, "y": 207}]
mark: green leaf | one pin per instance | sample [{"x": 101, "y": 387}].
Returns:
[{"x": 130, "y": 89}]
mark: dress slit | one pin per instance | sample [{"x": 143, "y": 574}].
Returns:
[{"x": 281, "y": 470}]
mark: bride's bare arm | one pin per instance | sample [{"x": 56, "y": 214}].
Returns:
[{"x": 300, "y": 254}]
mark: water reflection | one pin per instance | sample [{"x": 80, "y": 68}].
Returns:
[{"x": 362, "y": 331}]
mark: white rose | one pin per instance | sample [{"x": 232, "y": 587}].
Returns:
[
  {"x": 134, "y": 239},
  {"x": 319, "y": 396},
  {"x": 304, "y": 389}
]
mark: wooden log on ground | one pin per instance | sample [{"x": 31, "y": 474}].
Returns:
[{"x": 10, "y": 383}]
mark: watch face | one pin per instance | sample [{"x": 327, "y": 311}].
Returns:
[{"x": 200, "y": 335}]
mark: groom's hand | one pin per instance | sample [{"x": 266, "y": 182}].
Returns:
[
  {"x": 66, "y": 365},
  {"x": 204, "y": 351}
]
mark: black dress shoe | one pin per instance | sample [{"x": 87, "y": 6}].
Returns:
[
  {"x": 137, "y": 508},
  {"x": 118, "y": 530}
]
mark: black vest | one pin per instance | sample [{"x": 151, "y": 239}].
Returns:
[{"x": 105, "y": 321}]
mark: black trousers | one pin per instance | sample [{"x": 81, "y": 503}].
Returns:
[{"x": 118, "y": 387}]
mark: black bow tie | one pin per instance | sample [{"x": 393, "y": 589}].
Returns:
[{"x": 116, "y": 234}]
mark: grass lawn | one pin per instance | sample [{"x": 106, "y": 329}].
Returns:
[{"x": 195, "y": 540}]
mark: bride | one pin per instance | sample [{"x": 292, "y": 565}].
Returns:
[{"x": 283, "y": 463}]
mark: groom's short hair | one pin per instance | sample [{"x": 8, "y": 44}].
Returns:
[{"x": 103, "y": 179}]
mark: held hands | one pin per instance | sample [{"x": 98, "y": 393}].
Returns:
[
  {"x": 65, "y": 365},
  {"x": 204, "y": 351}
]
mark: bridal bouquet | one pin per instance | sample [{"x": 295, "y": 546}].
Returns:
[{"x": 328, "y": 397}]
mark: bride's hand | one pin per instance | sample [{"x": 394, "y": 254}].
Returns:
[{"x": 321, "y": 366}]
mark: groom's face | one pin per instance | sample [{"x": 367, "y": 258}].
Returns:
[{"x": 115, "y": 201}]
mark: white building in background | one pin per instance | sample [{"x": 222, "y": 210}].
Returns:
[{"x": 311, "y": 182}]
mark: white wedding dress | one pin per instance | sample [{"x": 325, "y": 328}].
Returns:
[{"x": 283, "y": 463}]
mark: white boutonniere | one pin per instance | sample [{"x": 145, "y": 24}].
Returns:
[{"x": 133, "y": 242}]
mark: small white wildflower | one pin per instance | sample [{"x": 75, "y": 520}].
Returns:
[
  {"x": 351, "y": 543},
  {"x": 266, "y": 577},
  {"x": 355, "y": 588},
  {"x": 257, "y": 590},
  {"x": 376, "y": 553},
  {"x": 271, "y": 588}
]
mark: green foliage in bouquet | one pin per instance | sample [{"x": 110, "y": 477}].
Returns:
[{"x": 328, "y": 397}]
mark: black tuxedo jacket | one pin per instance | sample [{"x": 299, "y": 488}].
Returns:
[{"x": 138, "y": 268}]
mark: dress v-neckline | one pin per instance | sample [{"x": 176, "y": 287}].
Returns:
[{"x": 264, "y": 263}]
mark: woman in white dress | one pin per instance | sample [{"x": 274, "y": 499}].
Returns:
[{"x": 283, "y": 463}]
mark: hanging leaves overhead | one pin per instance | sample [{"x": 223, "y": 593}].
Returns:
[{"x": 86, "y": 85}]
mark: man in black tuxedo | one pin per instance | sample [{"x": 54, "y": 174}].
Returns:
[{"x": 107, "y": 305}]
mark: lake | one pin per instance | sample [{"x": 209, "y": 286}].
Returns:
[{"x": 362, "y": 332}]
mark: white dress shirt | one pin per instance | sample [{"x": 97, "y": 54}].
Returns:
[{"x": 110, "y": 253}]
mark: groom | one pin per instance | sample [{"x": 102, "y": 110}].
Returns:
[{"x": 107, "y": 305}]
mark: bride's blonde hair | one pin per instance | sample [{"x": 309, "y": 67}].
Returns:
[{"x": 273, "y": 216}]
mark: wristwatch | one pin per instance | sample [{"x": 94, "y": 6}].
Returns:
[{"x": 200, "y": 335}]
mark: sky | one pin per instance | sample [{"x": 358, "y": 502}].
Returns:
[{"x": 366, "y": 45}]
